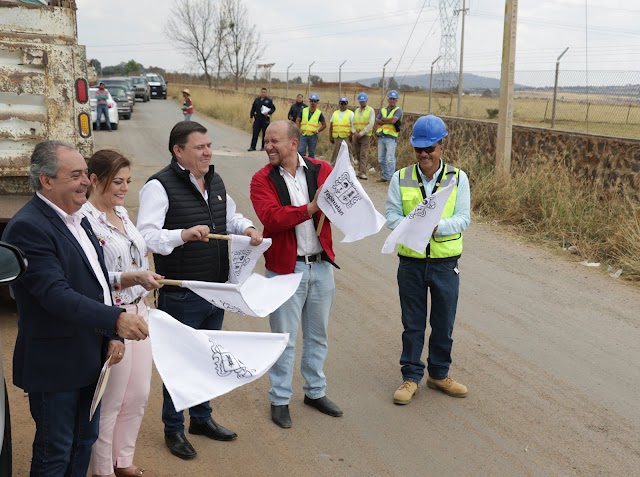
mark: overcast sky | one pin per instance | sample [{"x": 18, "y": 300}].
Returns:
[{"x": 602, "y": 37}]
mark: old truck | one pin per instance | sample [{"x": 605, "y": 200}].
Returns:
[{"x": 44, "y": 93}]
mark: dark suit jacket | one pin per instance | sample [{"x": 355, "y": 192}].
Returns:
[{"x": 63, "y": 321}]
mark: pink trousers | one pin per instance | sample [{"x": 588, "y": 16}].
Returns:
[{"x": 123, "y": 404}]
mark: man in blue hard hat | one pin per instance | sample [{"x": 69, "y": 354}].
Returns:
[
  {"x": 340, "y": 128},
  {"x": 311, "y": 122},
  {"x": 388, "y": 122},
  {"x": 435, "y": 269},
  {"x": 363, "y": 120}
]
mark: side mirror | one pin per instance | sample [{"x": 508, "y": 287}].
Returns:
[{"x": 13, "y": 264}]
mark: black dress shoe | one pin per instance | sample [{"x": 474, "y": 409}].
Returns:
[
  {"x": 280, "y": 415},
  {"x": 212, "y": 430},
  {"x": 179, "y": 445},
  {"x": 324, "y": 405},
  {"x": 251, "y": 149}
]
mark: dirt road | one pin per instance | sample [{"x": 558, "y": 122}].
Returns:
[{"x": 548, "y": 348}]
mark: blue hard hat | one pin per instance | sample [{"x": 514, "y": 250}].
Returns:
[
  {"x": 363, "y": 97},
  {"x": 393, "y": 94},
  {"x": 427, "y": 131},
  {"x": 344, "y": 99},
  {"x": 314, "y": 96}
]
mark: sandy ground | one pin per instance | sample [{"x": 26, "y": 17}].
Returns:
[{"x": 549, "y": 350}]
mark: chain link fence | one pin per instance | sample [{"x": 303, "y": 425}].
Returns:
[{"x": 595, "y": 102}]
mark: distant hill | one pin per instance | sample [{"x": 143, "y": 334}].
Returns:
[{"x": 469, "y": 81}]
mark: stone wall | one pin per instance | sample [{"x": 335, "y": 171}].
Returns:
[{"x": 614, "y": 161}]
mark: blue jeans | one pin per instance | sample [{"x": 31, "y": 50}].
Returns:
[
  {"x": 442, "y": 281},
  {"x": 387, "y": 156},
  {"x": 309, "y": 142},
  {"x": 100, "y": 110},
  {"x": 187, "y": 117},
  {"x": 192, "y": 310},
  {"x": 310, "y": 305},
  {"x": 64, "y": 434}
]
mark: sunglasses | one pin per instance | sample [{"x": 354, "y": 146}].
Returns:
[
  {"x": 428, "y": 150},
  {"x": 136, "y": 256},
  {"x": 343, "y": 102},
  {"x": 313, "y": 100}
]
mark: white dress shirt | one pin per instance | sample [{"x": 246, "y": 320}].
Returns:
[
  {"x": 306, "y": 238},
  {"x": 154, "y": 204}
]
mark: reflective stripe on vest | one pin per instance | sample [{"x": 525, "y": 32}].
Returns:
[
  {"x": 388, "y": 129},
  {"x": 361, "y": 121},
  {"x": 439, "y": 247},
  {"x": 341, "y": 127},
  {"x": 309, "y": 125}
]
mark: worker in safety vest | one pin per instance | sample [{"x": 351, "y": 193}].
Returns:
[
  {"x": 388, "y": 122},
  {"x": 311, "y": 122},
  {"x": 434, "y": 269},
  {"x": 341, "y": 128},
  {"x": 363, "y": 120}
]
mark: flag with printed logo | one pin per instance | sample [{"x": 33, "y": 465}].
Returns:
[
  {"x": 199, "y": 365},
  {"x": 346, "y": 204},
  {"x": 243, "y": 257},
  {"x": 415, "y": 230}
]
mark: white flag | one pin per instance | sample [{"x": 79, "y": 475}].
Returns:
[
  {"x": 257, "y": 296},
  {"x": 345, "y": 202},
  {"x": 416, "y": 229},
  {"x": 243, "y": 257},
  {"x": 199, "y": 365}
]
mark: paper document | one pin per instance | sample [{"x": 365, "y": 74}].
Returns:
[{"x": 100, "y": 388}]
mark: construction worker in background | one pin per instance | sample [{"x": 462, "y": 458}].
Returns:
[
  {"x": 295, "y": 109},
  {"x": 363, "y": 121},
  {"x": 434, "y": 269},
  {"x": 311, "y": 122},
  {"x": 261, "y": 111},
  {"x": 388, "y": 122},
  {"x": 341, "y": 128},
  {"x": 187, "y": 106}
]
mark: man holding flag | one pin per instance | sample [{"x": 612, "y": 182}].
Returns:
[
  {"x": 284, "y": 194},
  {"x": 434, "y": 269}
]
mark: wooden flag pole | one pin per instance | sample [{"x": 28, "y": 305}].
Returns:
[
  {"x": 219, "y": 237},
  {"x": 166, "y": 281},
  {"x": 320, "y": 224}
]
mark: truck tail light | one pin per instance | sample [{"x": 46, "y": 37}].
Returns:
[
  {"x": 84, "y": 124},
  {"x": 82, "y": 90}
]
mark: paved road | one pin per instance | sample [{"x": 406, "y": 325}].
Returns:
[{"x": 548, "y": 348}]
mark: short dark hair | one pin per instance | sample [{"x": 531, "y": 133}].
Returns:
[
  {"x": 263, "y": 89},
  {"x": 180, "y": 134},
  {"x": 105, "y": 164}
]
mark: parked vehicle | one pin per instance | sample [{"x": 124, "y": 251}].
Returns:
[
  {"x": 158, "y": 85},
  {"x": 113, "y": 111},
  {"x": 143, "y": 90},
  {"x": 119, "y": 95},
  {"x": 123, "y": 81},
  {"x": 12, "y": 266},
  {"x": 44, "y": 93}
]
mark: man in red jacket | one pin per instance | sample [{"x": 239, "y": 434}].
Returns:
[{"x": 284, "y": 194}]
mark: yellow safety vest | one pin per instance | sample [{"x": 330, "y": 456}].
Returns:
[
  {"x": 388, "y": 129},
  {"x": 341, "y": 127},
  {"x": 439, "y": 247},
  {"x": 310, "y": 125},
  {"x": 361, "y": 119}
]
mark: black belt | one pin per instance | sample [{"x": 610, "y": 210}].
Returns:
[{"x": 309, "y": 259}]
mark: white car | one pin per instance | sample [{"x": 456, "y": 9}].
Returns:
[{"x": 113, "y": 110}]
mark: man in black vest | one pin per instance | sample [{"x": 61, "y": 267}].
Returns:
[{"x": 179, "y": 207}]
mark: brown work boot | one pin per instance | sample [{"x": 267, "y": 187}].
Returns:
[
  {"x": 448, "y": 386},
  {"x": 405, "y": 392}
]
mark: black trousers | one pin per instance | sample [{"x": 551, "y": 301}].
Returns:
[{"x": 259, "y": 125}]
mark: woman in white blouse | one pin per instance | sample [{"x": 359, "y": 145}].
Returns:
[{"x": 125, "y": 254}]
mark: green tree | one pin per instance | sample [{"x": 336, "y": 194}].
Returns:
[{"x": 132, "y": 67}]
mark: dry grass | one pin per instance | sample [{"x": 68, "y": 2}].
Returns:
[{"x": 543, "y": 202}]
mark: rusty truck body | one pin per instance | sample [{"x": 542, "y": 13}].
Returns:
[{"x": 44, "y": 92}]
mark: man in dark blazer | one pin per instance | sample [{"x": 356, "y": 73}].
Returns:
[{"x": 67, "y": 326}]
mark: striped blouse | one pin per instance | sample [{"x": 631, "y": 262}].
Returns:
[{"x": 122, "y": 252}]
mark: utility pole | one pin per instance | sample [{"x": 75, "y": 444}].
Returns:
[
  {"x": 340, "y": 78},
  {"x": 555, "y": 89},
  {"x": 382, "y": 83},
  {"x": 287, "y": 94},
  {"x": 505, "y": 114},
  {"x": 309, "y": 79},
  {"x": 464, "y": 13},
  {"x": 431, "y": 82}
]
